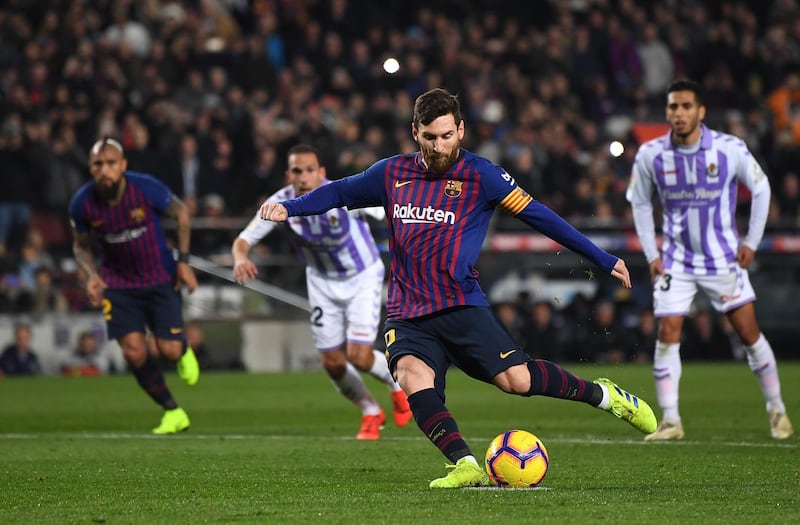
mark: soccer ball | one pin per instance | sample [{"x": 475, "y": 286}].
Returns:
[{"x": 517, "y": 459}]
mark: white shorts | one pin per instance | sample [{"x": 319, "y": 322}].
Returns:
[
  {"x": 345, "y": 310},
  {"x": 673, "y": 293}
]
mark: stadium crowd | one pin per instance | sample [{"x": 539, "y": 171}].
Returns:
[{"x": 208, "y": 95}]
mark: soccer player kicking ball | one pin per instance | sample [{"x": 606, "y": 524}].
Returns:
[
  {"x": 138, "y": 283},
  {"x": 695, "y": 171},
  {"x": 439, "y": 202},
  {"x": 344, "y": 277}
]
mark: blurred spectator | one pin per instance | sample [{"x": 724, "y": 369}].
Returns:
[
  {"x": 18, "y": 358},
  {"x": 508, "y": 315},
  {"x": 784, "y": 102},
  {"x": 18, "y": 186},
  {"x": 34, "y": 255},
  {"x": 45, "y": 298},
  {"x": 605, "y": 338},
  {"x": 541, "y": 333},
  {"x": 788, "y": 197},
  {"x": 87, "y": 359},
  {"x": 705, "y": 339},
  {"x": 656, "y": 60},
  {"x": 641, "y": 339}
]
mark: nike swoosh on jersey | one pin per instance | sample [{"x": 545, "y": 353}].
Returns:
[
  {"x": 399, "y": 184},
  {"x": 503, "y": 355}
]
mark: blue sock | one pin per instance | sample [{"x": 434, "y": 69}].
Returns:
[
  {"x": 437, "y": 423},
  {"x": 151, "y": 379},
  {"x": 549, "y": 379}
]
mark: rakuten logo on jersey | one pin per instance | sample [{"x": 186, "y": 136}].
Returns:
[{"x": 409, "y": 214}]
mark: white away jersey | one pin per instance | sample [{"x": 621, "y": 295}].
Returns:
[
  {"x": 337, "y": 243},
  {"x": 697, "y": 191}
]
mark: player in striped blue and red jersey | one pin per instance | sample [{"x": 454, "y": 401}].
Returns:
[
  {"x": 138, "y": 283},
  {"x": 439, "y": 202}
]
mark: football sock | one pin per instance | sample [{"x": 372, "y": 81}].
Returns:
[
  {"x": 351, "y": 386},
  {"x": 380, "y": 370},
  {"x": 549, "y": 379},
  {"x": 761, "y": 359},
  {"x": 438, "y": 425},
  {"x": 667, "y": 373},
  {"x": 151, "y": 379}
]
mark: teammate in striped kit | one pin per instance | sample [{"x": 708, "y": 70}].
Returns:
[
  {"x": 695, "y": 172},
  {"x": 439, "y": 202},
  {"x": 344, "y": 277},
  {"x": 138, "y": 283}
]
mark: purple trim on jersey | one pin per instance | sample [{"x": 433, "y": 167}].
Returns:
[
  {"x": 686, "y": 240},
  {"x": 363, "y": 227},
  {"x": 730, "y": 255},
  {"x": 672, "y": 314},
  {"x": 728, "y": 307},
  {"x": 707, "y": 215}
]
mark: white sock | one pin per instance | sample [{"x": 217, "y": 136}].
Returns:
[
  {"x": 761, "y": 359},
  {"x": 605, "y": 403},
  {"x": 472, "y": 458},
  {"x": 667, "y": 373},
  {"x": 380, "y": 371},
  {"x": 351, "y": 386}
]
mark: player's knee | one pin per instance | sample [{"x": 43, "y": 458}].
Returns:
[
  {"x": 334, "y": 363},
  {"x": 514, "y": 380},
  {"x": 135, "y": 356},
  {"x": 170, "y": 348},
  {"x": 361, "y": 356},
  {"x": 413, "y": 374}
]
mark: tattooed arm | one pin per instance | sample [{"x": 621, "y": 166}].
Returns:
[
  {"x": 82, "y": 249},
  {"x": 180, "y": 212}
]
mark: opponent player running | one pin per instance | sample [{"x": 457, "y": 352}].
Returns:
[
  {"x": 439, "y": 202},
  {"x": 139, "y": 281},
  {"x": 695, "y": 171},
  {"x": 344, "y": 277}
]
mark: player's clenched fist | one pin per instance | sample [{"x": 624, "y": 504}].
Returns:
[{"x": 273, "y": 211}]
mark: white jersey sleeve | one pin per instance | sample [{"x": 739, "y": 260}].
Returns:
[
  {"x": 640, "y": 195},
  {"x": 258, "y": 228},
  {"x": 375, "y": 212},
  {"x": 753, "y": 177}
]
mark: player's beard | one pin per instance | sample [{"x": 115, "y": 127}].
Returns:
[
  {"x": 108, "y": 193},
  {"x": 691, "y": 126},
  {"x": 440, "y": 163}
]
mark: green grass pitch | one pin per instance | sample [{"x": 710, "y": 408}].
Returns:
[{"x": 280, "y": 449}]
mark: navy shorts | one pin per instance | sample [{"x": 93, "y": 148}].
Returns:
[
  {"x": 159, "y": 308},
  {"x": 471, "y": 338}
]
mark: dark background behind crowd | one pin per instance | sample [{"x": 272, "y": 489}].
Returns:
[{"x": 208, "y": 95}]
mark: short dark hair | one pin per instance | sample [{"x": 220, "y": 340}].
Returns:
[
  {"x": 304, "y": 148},
  {"x": 684, "y": 84},
  {"x": 435, "y": 103}
]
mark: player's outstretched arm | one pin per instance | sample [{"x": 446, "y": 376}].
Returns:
[{"x": 273, "y": 211}]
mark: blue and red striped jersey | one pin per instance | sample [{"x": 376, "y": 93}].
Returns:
[
  {"x": 438, "y": 223},
  {"x": 133, "y": 250}
]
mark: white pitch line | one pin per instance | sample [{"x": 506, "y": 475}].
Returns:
[{"x": 272, "y": 437}]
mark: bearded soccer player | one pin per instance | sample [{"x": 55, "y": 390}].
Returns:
[
  {"x": 439, "y": 202},
  {"x": 695, "y": 171},
  {"x": 138, "y": 283}
]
